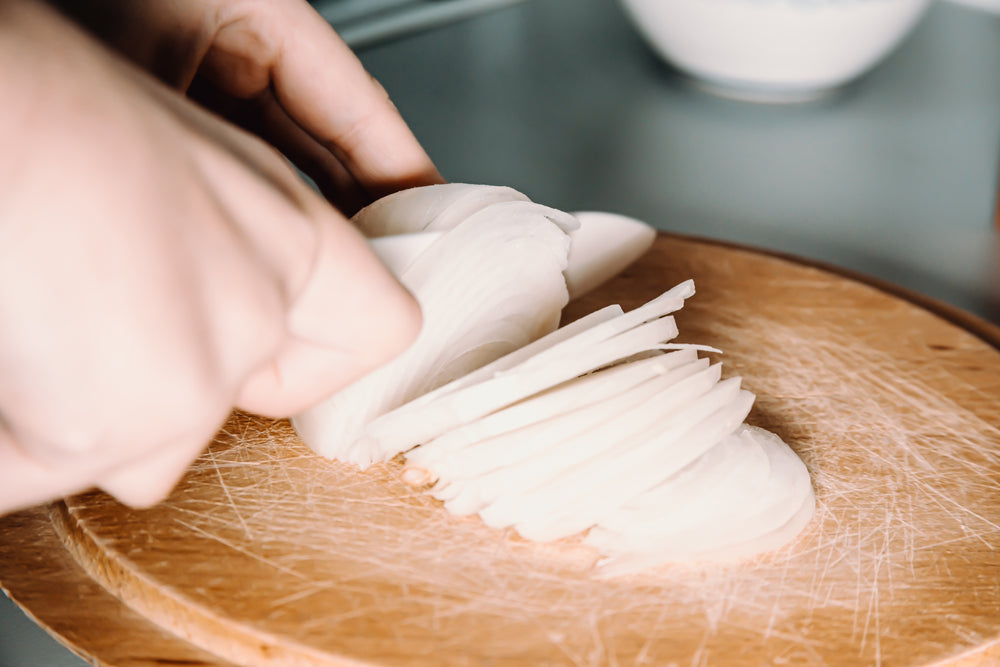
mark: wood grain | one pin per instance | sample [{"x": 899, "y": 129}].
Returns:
[{"x": 269, "y": 555}]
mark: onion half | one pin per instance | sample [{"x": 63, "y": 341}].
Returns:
[{"x": 477, "y": 305}]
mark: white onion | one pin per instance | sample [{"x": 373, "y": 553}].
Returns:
[{"x": 594, "y": 427}]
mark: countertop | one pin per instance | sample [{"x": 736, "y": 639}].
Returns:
[{"x": 896, "y": 176}]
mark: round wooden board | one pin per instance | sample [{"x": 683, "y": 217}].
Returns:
[{"x": 266, "y": 554}]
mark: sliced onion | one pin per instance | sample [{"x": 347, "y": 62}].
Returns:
[
  {"x": 604, "y": 484},
  {"x": 518, "y": 461},
  {"x": 576, "y": 394},
  {"x": 604, "y": 426},
  {"x": 657, "y": 467},
  {"x": 604, "y": 343}
]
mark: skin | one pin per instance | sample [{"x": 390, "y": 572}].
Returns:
[{"x": 159, "y": 264}]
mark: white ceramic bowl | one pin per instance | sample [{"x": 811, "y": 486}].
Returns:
[{"x": 774, "y": 50}]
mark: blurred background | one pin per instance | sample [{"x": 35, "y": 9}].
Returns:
[{"x": 894, "y": 174}]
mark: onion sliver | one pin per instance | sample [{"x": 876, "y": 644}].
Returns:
[
  {"x": 675, "y": 439},
  {"x": 576, "y": 394},
  {"x": 518, "y": 461},
  {"x": 613, "y": 481}
]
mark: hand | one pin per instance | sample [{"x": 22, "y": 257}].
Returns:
[
  {"x": 278, "y": 69},
  {"x": 157, "y": 267}
]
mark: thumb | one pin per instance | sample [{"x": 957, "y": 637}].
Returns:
[{"x": 351, "y": 317}]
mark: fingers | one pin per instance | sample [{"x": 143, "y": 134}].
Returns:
[
  {"x": 248, "y": 50},
  {"x": 264, "y": 117},
  {"x": 329, "y": 174},
  {"x": 321, "y": 84}
]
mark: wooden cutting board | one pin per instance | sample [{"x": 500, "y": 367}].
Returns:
[{"x": 269, "y": 555}]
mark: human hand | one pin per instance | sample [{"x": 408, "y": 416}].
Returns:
[
  {"x": 157, "y": 267},
  {"x": 279, "y": 70}
]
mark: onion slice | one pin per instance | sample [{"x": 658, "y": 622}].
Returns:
[
  {"x": 748, "y": 494},
  {"x": 604, "y": 245}
]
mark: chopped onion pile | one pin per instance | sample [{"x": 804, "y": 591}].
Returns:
[
  {"x": 601, "y": 426},
  {"x": 607, "y": 431}
]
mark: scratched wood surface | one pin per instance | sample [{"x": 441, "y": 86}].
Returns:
[{"x": 269, "y": 555}]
